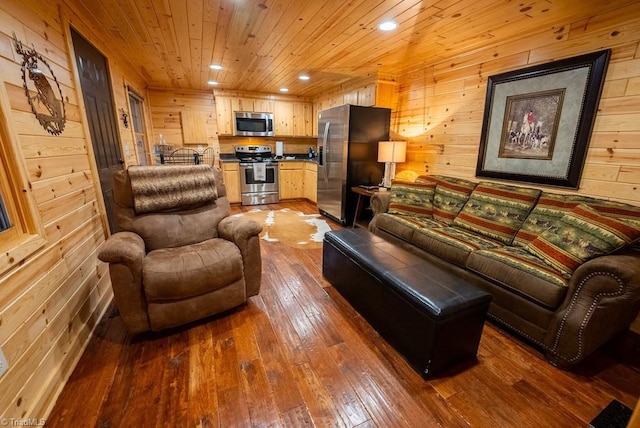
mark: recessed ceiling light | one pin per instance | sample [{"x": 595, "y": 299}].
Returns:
[
  {"x": 388, "y": 26},
  {"x": 284, "y": 90},
  {"x": 303, "y": 77},
  {"x": 212, "y": 82},
  {"x": 215, "y": 67}
]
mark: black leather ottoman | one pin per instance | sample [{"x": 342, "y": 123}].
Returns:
[{"x": 431, "y": 317}]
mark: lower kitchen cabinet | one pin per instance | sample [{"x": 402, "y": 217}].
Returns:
[
  {"x": 291, "y": 177},
  {"x": 231, "y": 175},
  {"x": 311, "y": 181}
]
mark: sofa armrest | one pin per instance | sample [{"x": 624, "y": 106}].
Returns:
[
  {"x": 380, "y": 202},
  {"x": 125, "y": 252},
  {"x": 246, "y": 235},
  {"x": 603, "y": 299}
]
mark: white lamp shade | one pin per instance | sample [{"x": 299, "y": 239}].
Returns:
[{"x": 392, "y": 151}]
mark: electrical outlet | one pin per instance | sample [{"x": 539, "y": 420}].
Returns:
[{"x": 4, "y": 366}]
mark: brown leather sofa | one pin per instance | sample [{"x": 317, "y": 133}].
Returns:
[
  {"x": 180, "y": 257},
  {"x": 567, "y": 315}
]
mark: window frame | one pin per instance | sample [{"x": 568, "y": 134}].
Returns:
[
  {"x": 134, "y": 97},
  {"x": 26, "y": 234}
]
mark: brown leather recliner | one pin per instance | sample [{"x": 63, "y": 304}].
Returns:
[{"x": 180, "y": 257}]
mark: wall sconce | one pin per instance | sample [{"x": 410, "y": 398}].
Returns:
[
  {"x": 391, "y": 152},
  {"x": 125, "y": 118}
]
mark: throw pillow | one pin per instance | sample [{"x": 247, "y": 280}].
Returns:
[
  {"x": 550, "y": 208},
  {"x": 428, "y": 179},
  {"x": 412, "y": 199},
  {"x": 450, "y": 196},
  {"x": 581, "y": 235},
  {"x": 497, "y": 210},
  {"x": 618, "y": 210},
  {"x": 553, "y": 206}
]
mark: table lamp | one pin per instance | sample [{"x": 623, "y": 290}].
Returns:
[{"x": 391, "y": 152}]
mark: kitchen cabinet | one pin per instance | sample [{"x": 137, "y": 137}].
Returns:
[
  {"x": 311, "y": 181},
  {"x": 292, "y": 118},
  {"x": 378, "y": 93},
  {"x": 194, "y": 127},
  {"x": 283, "y": 118},
  {"x": 367, "y": 96},
  {"x": 224, "y": 115},
  {"x": 242, "y": 104},
  {"x": 303, "y": 120},
  {"x": 225, "y": 106},
  {"x": 291, "y": 177},
  {"x": 231, "y": 176},
  {"x": 263, "y": 106}
]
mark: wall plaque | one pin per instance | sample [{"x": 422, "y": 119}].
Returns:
[{"x": 42, "y": 89}]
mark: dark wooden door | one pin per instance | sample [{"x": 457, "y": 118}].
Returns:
[{"x": 98, "y": 101}]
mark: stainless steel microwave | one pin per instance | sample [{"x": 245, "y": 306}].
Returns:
[{"x": 253, "y": 124}]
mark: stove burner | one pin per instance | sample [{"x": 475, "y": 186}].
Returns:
[
  {"x": 252, "y": 154},
  {"x": 256, "y": 159}
]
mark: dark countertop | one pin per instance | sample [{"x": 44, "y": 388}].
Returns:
[{"x": 296, "y": 158}]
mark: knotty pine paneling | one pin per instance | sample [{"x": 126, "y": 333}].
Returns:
[
  {"x": 46, "y": 190},
  {"x": 291, "y": 145},
  {"x": 50, "y": 303},
  {"x": 166, "y": 107},
  {"x": 439, "y": 110},
  {"x": 442, "y": 105}
]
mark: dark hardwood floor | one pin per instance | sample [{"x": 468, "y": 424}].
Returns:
[{"x": 298, "y": 355}]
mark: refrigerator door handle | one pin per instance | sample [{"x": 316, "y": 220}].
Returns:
[{"x": 325, "y": 155}]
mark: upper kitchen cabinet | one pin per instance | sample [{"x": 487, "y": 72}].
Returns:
[
  {"x": 293, "y": 116},
  {"x": 242, "y": 104},
  {"x": 224, "y": 114},
  {"x": 283, "y": 118},
  {"x": 225, "y": 106},
  {"x": 194, "y": 128},
  {"x": 303, "y": 120},
  {"x": 264, "y": 106},
  {"x": 379, "y": 93}
]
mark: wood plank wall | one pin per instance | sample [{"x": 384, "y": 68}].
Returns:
[
  {"x": 51, "y": 302},
  {"x": 441, "y": 104},
  {"x": 166, "y": 106},
  {"x": 291, "y": 145}
]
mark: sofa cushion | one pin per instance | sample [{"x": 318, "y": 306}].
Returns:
[
  {"x": 198, "y": 268},
  {"x": 403, "y": 226},
  {"x": 516, "y": 269},
  {"x": 449, "y": 197},
  {"x": 553, "y": 206},
  {"x": 414, "y": 199},
  {"x": 580, "y": 235},
  {"x": 451, "y": 243},
  {"x": 496, "y": 210}
]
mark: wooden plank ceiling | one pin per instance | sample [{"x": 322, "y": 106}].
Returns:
[{"x": 264, "y": 45}]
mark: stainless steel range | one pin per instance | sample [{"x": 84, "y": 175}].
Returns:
[{"x": 258, "y": 175}]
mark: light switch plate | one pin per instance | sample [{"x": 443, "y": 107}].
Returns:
[{"x": 4, "y": 366}]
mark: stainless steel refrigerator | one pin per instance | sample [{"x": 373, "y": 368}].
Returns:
[{"x": 348, "y": 139}]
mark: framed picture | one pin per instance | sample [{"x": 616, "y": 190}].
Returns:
[{"x": 538, "y": 121}]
